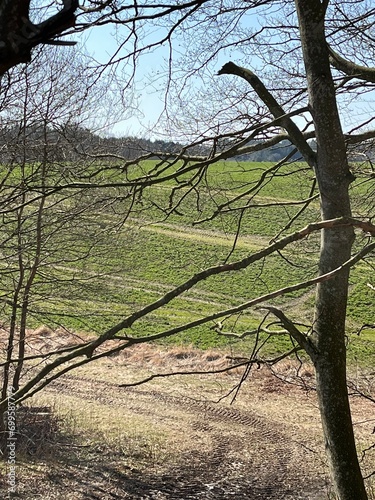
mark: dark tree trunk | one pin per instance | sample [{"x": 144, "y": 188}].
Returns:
[
  {"x": 333, "y": 177},
  {"x": 18, "y": 35}
]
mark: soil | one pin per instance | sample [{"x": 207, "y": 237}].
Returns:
[{"x": 178, "y": 438}]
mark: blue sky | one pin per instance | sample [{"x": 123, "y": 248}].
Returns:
[{"x": 101, "y": 43}]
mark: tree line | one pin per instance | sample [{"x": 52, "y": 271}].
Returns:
[{"x": 69, "y": 142}]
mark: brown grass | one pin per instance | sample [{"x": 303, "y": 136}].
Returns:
[{"x": 84, "y": 436}]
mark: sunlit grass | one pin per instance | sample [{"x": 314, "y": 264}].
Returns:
[{"x": 96, "y": 273}]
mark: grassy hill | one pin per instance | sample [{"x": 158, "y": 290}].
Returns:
[{"x": 136, "y": 249}]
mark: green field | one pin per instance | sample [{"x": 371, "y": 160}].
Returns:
[{"x": 137, "y": 249}]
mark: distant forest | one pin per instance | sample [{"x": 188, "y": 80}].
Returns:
[{"x": 68, "y": 143}]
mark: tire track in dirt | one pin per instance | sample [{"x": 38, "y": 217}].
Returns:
[
  {"x": 230, "y": 469},
  {"x": 99, "y": 391}
]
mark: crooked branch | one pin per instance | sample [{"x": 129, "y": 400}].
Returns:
[
  {"x": 296, "y": 136},
  {"x": 18, "y": 35}
]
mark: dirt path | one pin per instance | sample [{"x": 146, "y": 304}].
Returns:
[
  {"x": 224, "y": 452},
  {"x": 172, "y": 439},
  {"x": 248, "y": 456}
]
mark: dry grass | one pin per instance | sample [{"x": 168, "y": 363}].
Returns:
[{"x": 85, "y": 437}]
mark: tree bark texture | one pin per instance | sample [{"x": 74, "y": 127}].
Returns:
[
  {"x": 333, "y": 177},
  {"x": 18, "y": 35}
]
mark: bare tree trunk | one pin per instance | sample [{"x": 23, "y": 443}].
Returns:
[{"x": 333, "y": 177}]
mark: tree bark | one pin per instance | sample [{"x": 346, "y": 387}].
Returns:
[
  {"x": 333, "y": 176},
  {"x": 18, "y": 35}
]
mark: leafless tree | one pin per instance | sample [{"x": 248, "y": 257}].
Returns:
[
  {"x": 312, "y": 57},
  {"x": 45, "y": 144}
]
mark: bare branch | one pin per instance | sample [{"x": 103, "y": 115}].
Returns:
[
  {"x": 298, "y": 336},
  {"x": 294, "y": 132},
  {"x": 246, "y": 363},
  {"x": 88, "y": 350},
  {"x": 350, "y": 68},
  {"x": 188, "y": 372}
]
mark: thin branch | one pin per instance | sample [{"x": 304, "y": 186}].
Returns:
[
  {"x": 358, "y": 392},
  {"x": 247, "y": 333},
  {"x": 302, "y": 340},
  {"x": 45, "y": 355},
  {"x": 213, "y": 372},
  {"x": 222, "y": 208},
  {"x": 188, "y": 372},
  {"x": 305, "y": 203},
  {"x": 88, "y": 350}
]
